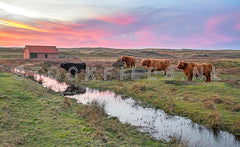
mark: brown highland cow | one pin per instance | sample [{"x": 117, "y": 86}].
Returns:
[
  {"x": 160, "y": 64},
  {"x": 129, "y": 61},
  {"x": 188, "y": 69}
]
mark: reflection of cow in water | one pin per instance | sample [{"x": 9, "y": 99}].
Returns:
[{"x": 73, "y": 67}]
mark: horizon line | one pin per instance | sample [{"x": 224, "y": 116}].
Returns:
[{"x": 128, "y": 48}]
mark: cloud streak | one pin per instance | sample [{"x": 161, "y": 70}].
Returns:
[{"x": 113, "y": 24}]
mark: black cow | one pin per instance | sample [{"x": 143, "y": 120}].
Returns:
[{"x": 75, "y": 67}]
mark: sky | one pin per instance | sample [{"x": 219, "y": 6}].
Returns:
[{"x": 174, "y": 24}]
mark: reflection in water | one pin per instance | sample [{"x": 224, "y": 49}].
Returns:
[
  {"x": 46, "y": 81},
  {"x": 51, "y": 83},
  {"x": 155, "y": 121}
]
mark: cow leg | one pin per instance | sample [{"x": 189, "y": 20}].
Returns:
[
  {"x": 190, "y": 77},
  {"x": 164, "y": 73},
  {"x": 206, "y": 78}
]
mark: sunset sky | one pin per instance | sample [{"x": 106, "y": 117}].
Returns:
[{"x": 196, "y": 24}]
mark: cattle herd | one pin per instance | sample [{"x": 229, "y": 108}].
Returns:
[{"x": 153, "y": 64}]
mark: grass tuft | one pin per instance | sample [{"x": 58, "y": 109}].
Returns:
[
  {"x": 66, "y": 103},
  {"x": 214, "y": 119}
]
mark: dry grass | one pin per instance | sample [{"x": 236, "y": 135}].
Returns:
[
  {"x": 214, "y": 119},
  {"x": 169, "y": 107},
  {"x": 187, "y": 98},
  {"x": 66, "y": 103},
  {"x": 236, "y": 108},
  {"x": 92, "y": 113},
  {"x": 209, "y": 104},
  {"x": 137, "y": 87},
  {"x": 216, "y": 99},
  {"x": 229, "y": 103},
  {"x": 236, "y": 126}
]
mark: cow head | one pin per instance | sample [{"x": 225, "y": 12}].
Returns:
[
  {"x": 123, "y": 58},
  {"x": 145, "y": 62},
  {"x": 182, "y": 64},
  {"x": 63, "y": 64}
]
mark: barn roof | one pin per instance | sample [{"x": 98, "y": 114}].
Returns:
[{"x": 41, "y": 49}]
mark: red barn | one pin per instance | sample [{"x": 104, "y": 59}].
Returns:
[{"x": 40, "y": 52}]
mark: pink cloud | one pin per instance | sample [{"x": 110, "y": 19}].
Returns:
[
  {"x": 237, "y": 26},
  {"x": 212, "y": 29},
  {"x": 64, "y": 35},
  {"x": 216, "y": 24}
]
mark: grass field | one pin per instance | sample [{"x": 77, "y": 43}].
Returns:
[
  {"x": 34, "y": 116},
  {"x": 215, "y": 104}
]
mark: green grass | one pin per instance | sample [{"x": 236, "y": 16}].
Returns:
[
  {"x": 190, "y": 99},
  {"x": 34, "y": 116}
]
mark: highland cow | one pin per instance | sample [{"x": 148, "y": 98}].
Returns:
[
  {"x": 75, "y": 67},
  {"x": 129, "y": 61},
  {"x": 159, "y": 64},
  {"x": 188, "y": 69}
]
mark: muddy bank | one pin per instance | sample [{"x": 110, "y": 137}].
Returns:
[{"x": 74, "y": 89}]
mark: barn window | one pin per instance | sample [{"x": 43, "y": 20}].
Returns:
[
  {"x": 46, "y": 55},
  {"x": 33, "y": 55}
]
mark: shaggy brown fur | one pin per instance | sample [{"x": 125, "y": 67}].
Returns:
[
  {"x": 160, "y": 64},
  {"x": 129, "y": 61},
  {"x": 189, "y": 67}
]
